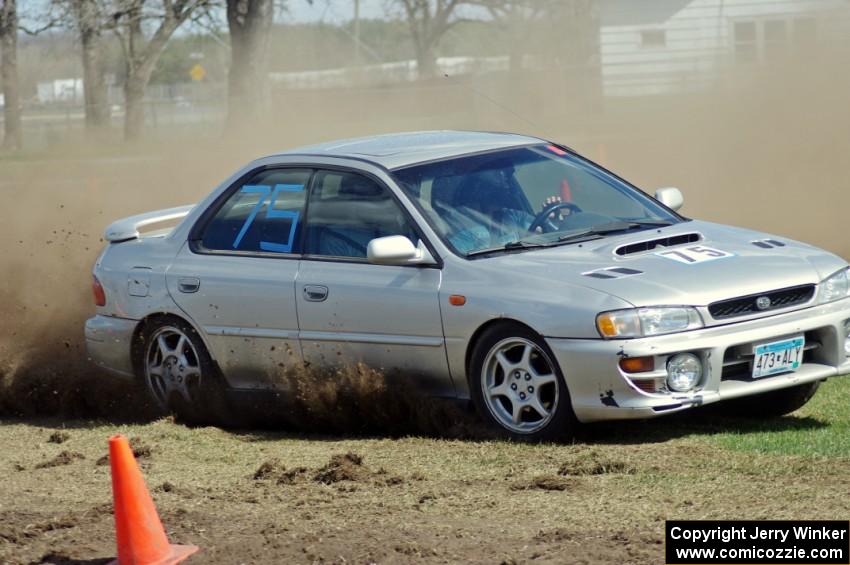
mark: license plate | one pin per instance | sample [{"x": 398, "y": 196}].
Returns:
[{"x": 778, "y": 357}]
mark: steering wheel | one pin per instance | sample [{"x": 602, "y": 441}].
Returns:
[{"x": 542, "y": 220}]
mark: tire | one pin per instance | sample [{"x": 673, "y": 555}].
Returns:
[
  {"x": 178, "y": 373},
  {"x": 771, "y": 404},
  {"x": 514, "y": 379}
]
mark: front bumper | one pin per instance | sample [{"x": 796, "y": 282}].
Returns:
[
  {"x": 108, "y": 343},
  {"x": 601, "y": 391}
]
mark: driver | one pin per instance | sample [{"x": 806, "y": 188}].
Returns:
[{"x": 488, "y": 211}]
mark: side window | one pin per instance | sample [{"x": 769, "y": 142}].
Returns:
[
  {"x": 263, "y": 215},
  {"x": 347, "y": 211}
]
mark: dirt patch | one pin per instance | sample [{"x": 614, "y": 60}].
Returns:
[
  {"x": 17, "y": 527},
  {"x": 140, "y": 449},
  {"x": 268, "y": 469},
  {"x": 58, "y": 437},
  {"x": 14, "y": 529},
  {"x": 169, "y": 487},
  {"x": 544, "y": 482},
  {"x": 274, "y": 471},
  {"x": 593, "y": 462},
  {"x": 551, "y": 536},
  {"x": 64, "y": 458},
  {"x": 292, "y": 476},
  {"x": 348, "y": 467}
]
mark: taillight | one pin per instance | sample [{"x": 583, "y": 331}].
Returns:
[{"x": 97, "y": 290}]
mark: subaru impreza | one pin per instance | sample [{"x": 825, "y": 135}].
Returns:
[{"x": 501, "y": 269}]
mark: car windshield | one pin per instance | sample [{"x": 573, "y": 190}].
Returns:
[{"x": 526, "y": 198}]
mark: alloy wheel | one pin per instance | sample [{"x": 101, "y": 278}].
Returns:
[
  {"x": 520, "y": 386},
  {"x": 172, "y": 367}
]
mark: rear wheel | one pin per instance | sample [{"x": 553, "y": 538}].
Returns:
[
  {"x": 517, "y": 386},
  {"x": 771, "y": 404},
  {"x": 179, "y": 373}
]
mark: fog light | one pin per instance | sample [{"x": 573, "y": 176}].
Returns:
[
  {"x": 683, "y": 372},
  {"x": 847, "y": 338}
]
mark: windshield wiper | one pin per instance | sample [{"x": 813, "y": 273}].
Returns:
[
  {"x": 589, "y": 234},
  {"x": 510, "y": 246},
  {"x": 598, "y": 231},
  {"x": 601, "y": 230},
  {"x": 659, "y": 223}
]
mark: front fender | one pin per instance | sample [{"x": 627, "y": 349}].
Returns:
[{"x": 551, "y": 308}]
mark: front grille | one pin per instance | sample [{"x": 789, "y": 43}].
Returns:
[{"x": 782, "y": 298}]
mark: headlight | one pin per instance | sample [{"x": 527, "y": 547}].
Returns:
[
  {"x": 641, "y": 322},
  {"x": 834, "y": 287}
]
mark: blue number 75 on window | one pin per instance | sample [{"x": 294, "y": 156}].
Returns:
[{"x": 271, "y": 195}]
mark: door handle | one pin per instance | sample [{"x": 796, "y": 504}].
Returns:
[
  {"x": 315, "y": 292},
  {"x": 189, "y": 284}
]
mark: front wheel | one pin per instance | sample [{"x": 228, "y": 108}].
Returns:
[
  {"x": 179, "y": 373},
  {"x": 771, "y": 404},
  {"x": 517, "y": 386}
]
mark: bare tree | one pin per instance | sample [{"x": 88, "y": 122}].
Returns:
[
  {"x": 86, "y": 18},
  {"x": 130, "y": 20},
  {"x": 90, "y": 22},
  {"x": 563, "y": 29},
  {"x": 520, "y": 19},
  {"x": 12, "y": 131},
  {"x": 249, "y": 22},
  {"x": 428, "y": 21}
]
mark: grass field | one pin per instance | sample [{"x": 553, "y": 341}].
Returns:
[
  {"x": 264, "y": 497},
  {"x": 821, "y": 429}
]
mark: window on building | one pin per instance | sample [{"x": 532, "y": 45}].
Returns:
[
  {"x": 746, "y": 41},
  {"x": 775, "y": 38}
]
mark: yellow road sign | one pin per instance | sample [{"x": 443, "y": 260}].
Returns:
[{"x": 197, "y": 72}]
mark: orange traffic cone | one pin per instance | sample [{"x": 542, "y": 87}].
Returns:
[{"x": 138, "y": 531}]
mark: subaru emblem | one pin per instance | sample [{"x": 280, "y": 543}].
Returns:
[{"x": 763, "y": 303}]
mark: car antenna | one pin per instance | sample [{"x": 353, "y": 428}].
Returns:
[{"x": 496, "y": 103}]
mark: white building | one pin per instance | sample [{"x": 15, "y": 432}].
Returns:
[
  {"x": 60, "y": 90},
  {"x": 664, "y": 46}
]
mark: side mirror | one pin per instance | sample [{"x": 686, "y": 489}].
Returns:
[
  {"x": 397, "y": 250},
  {"x": 670, "y": 197}
]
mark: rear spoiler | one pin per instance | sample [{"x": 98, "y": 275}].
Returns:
[{"x": 128, "y": 228}]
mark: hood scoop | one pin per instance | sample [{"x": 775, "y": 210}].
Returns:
[
  {"x": 652, "y": 244},
  {"x": 767, "y": 243},
  {"x": 612, "y": 273}
]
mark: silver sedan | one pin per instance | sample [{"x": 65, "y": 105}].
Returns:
[{"x": 500, "y": 268}]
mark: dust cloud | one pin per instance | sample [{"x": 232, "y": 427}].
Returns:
[{"x": 763, "y": 148}]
